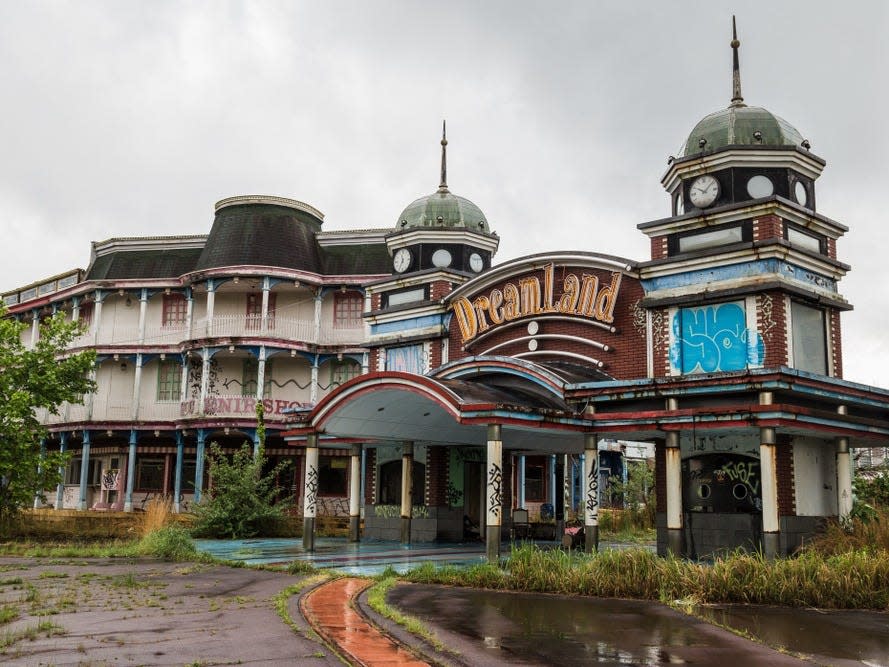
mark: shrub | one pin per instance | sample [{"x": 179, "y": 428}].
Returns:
[{"x": 168, "y": 543}]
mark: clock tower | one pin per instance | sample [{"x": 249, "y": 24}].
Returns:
[{"x": 439, "y": 242}]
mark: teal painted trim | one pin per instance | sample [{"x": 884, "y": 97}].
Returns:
[
  {"x": 741, "y": 270},
  {"x": 406, "y": 325}
]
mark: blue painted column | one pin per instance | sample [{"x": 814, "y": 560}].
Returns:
[
  {"x": 177, "y": 478},
  {"x": 84, "y": 470},
  {"x": 131, "y": 472},
  {"x": 60, "y": 489},
  {"x": 552, "y": 481},
  {"x": 199, "y": 466}
]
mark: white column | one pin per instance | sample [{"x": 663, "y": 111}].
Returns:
[
  {"x": 844, "y": 474},
  {"x": 211, "y": 304},
  {"x": 355, "y": 493},
  {"x": 317, "y": 321},
  {"x": 75, "y": 309},
  {"x": 365, "y": 363},
  {"x": 189, "y": 312},
  {"x": 205, "y": 378},
  {"x": 674, "y": 493},
  {"x": 591, "y": 488},
  {"x": 97, "y": 314},
  {"x": 407, "y": 485},
  {"x": 177, "y": 477},
  {"x": 199, "y": 465},
  {"x": 35, "y": 327},
  {"x": 313, "y": 389},
  {"x": 768, "y": 468},
  {"x": 264, "y": 323},
  {"x": 310, "y": 495},
  {"x": 60, "y": 489},
  {"x": 131, "y": 472},
  {"x": 137, "y": 386},
  {"x": 494, "y": 493},
  {"x": 143, "y": 310},
  {"x": 84, "y": 470},
  {"x": 183, "y": 382},
  {"x": 260, "y": 374}
]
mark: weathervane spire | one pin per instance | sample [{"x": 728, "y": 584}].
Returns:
[
  {"x": 444, "y": 158},
  {"x": 737, "y": 98}
]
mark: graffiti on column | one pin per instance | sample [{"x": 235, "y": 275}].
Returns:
[
  {"x": 311, "y": 490},
  {"x": 708, "y": 339},
  {"x": 592, "y": 490},
  {"x": 495, "y": 488}
]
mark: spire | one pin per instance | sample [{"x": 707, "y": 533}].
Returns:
[
  {"x": 737, "y": 99},
  {"x": 443, "y": 186}
]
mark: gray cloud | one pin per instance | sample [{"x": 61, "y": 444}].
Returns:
[{"x": 133, "y": 118}]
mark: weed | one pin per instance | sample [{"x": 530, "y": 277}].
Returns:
[
  {"x": 169, "y": 543},
  {"x": 8, "y": 614},
  {"x": 49, "y": 574},
  {"x": 156, "y": 516},
  {"x": 127, "y": 580},
  {"x": 10, "y": 581},
  {"x": 376, "y": 598},
  {"x": 300, "y": 567}
]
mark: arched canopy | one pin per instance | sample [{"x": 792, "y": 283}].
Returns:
[{"x": 393, "y": 406}]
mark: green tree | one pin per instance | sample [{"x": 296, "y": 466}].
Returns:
[
  {"x": 42, "y": 377},
  {"x": 242, "y": 502}
]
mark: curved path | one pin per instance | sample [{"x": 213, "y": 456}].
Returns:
[{"x": 330, "y": 609}]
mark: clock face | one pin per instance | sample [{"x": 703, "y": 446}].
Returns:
[
  {"x": 476, "y": 263},
  {"x": 760, "y": 186},
  {"x": 704, "y": 191},
  {"x": 402, "y": 260},
  {"x": 441, "y": 258}
]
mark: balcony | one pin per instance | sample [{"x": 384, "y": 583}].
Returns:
[{"x": 227, "y": 326}]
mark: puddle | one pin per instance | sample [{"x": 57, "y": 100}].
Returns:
[
  {"x": 829, "y": 637},
  {"x": 544, "y": 629}
]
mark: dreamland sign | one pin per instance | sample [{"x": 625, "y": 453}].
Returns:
[{"x": 580, "y": 296}]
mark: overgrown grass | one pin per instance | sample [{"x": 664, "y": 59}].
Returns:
[
  {"x": 156, "y": 516},
  {"x": 376, "y": 598},
  {"x": 170, "y": 543},
  {"x": 855, "y": 579}
]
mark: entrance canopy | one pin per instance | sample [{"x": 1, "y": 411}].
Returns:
[{"x": 454, "y": 407}]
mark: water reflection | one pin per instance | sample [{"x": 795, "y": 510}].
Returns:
[{"x": 543, "y": 629}]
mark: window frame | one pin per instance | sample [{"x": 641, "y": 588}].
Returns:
[
  {"x": 174, "y": 310},
  {"x": 169, "y": 381},
  {"x": 802, "y": 328},
  {"x": 348, "y": 309}
]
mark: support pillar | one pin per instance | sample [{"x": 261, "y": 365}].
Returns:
[
  {"x": 264, "y": 322},
  {"x": 844, "y": 479},
  {"x": 310, "y": 494},
  {"x": 675, "y": 537},
  {"x": 177, "y": 474},
  {"x": 84, "y": 470},
  {"x": 566, "y": 489},
  {"x": 35, "y": 327},
  {"x": 355, "y": 494},
  {"x": 131, "y": 472},
  {"x": 494, "y": 495},
  {"x": 211, "y": 305},
  {"x": 591, "y": 486},
  {"x": 771, "y": 535},
  {"x": 205, "y": 379},
  {"x": 313, "y": 389},
  {"x": 60, "y": 489},
  {"x": 143, "y": 310},
  {"x": 407, "y": 486},
  {"x": 137, "y": 386},
  {"x": 521, "y": 482},
  {"x": 199, "y": 465},
  {"x": 552, "y": 482}
]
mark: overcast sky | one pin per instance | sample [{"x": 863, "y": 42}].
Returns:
[{"x": 133, "y": 118}]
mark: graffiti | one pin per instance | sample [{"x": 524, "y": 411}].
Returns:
[
  {"x": 766, "y": 308},
  {"x": 196, "y": 372},
  {"x": 495, "y": 489},
  {"x": 311, "y": 499},
  {"x": 111, "y": 480},
  {"x": 639, "y": 320},
  {"x": 714, "y": 338},
  {"x": 744, "y": 472},
  {"x": 592, "y": 491}
]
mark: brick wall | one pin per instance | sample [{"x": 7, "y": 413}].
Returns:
[
  {"x": 437, "y": 469},
  {"x": 786, "y": 486},
  {"x": 771, "y": 321},
  {"x": 832, "y": 248},
  {"x": 836, "y": 342},
  {"x": 768, "y": 227},
  {"x": 370, "y": 480},
  {"x": 660, "y": 331},
  {"x": 659, "y": 247}
]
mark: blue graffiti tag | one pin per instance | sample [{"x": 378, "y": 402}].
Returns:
[{"x": 714, "y": 338}]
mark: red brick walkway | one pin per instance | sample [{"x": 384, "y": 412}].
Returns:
[{"x": 331, "y": 611}]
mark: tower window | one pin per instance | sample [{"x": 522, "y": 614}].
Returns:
[
  {"x": 809, "y": 338},
  {"x": 804, "y": 240},
  {"x": 711, "y": 237}
]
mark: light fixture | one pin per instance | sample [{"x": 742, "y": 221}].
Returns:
[
  {"x": 227, "y": 430},
  {"x": 129, "y": 301},
  {"x": 163, "y": 356},
  {"x": 339, "y": 356},
  {"x": 343, "y": 289},
  {"x": 231, "y": 348},
  {"x": 296, "y": 283},
  {"x": 167, "y": 291},
  {"x": 157, "y": 433},
  {"x": 117, "y": 357},
  {"x": 236, "y": 280},
  {"x": 121, "y": 292},
  {"x": 109, "y": 433},
  {"x": 292, "y": 353}
]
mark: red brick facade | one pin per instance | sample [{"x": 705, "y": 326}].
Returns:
[
  {"x": 771, "y": 322},
  {"x": 785, "y": 474},
  {"x": 836, "y": 342},
  {"x": 437, "y": 476},
  {"x": 370, "y": 479},
  {"x": 768, "y": 227}
]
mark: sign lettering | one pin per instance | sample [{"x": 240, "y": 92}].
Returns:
[{"x": 580, "y": 296}]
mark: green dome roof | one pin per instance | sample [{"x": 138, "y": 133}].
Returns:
[
  {"x": 445, "y": 210},
  {"x": 740, "y": 125}
]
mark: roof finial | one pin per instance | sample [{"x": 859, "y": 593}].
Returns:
[
  {"x": 444, "y": 158},
  {"x": 737, "y": 99}
]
